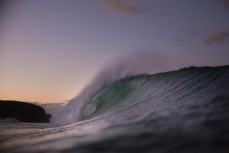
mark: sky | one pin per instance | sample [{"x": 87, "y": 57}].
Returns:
[{"x": 51, "y": 49}]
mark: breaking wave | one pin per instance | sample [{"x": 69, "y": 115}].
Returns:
[{"x": 122, "y": 97}]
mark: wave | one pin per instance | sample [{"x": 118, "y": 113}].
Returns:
[
  {"x": 123, "y": 97},
  {"x": 185, "y": 110},
  {"x": 130, "y": 65}
]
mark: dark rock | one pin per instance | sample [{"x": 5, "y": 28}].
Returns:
[{"x": 22, "y": 111}]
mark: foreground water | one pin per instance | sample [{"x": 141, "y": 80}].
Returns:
[{"x": 180, "y": 111}]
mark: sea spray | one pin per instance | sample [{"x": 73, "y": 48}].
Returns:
[{"x": 129, "y": 65}]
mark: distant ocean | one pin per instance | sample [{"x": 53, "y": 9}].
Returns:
[{"x": 182, "y": 111}]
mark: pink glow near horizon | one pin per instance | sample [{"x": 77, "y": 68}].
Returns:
[{"x": 50, "y": 50}]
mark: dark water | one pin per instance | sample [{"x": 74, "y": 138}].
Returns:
[{"x": 182, "y": 111}]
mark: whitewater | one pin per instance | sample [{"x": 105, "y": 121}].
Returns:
[{"x": 183, "y": 110}]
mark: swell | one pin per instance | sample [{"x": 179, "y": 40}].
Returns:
[{"x": 134, "y": 96}]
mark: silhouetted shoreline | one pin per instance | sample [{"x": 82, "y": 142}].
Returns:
[{"x": 23, "y": 111}]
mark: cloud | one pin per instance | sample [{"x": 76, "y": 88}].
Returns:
[
  {"x": 135, "y": 7},
  {"x": 193, "y": 32},
  {"x": 220, "y": 36},
  {"x": 224, "y": 3},
  {"x": 186, "y": 34},
  {"x": 179, "y": 39},
  {"x": 162, "y": 10},
  {"x": 126, "y": 7}
]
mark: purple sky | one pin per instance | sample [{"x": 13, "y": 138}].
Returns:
[{"x": 51, "y": 49}]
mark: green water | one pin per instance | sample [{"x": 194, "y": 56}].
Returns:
[{"x": 107, "y": 98}]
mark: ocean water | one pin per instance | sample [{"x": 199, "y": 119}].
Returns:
[{"x": 182, "y": 111}]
